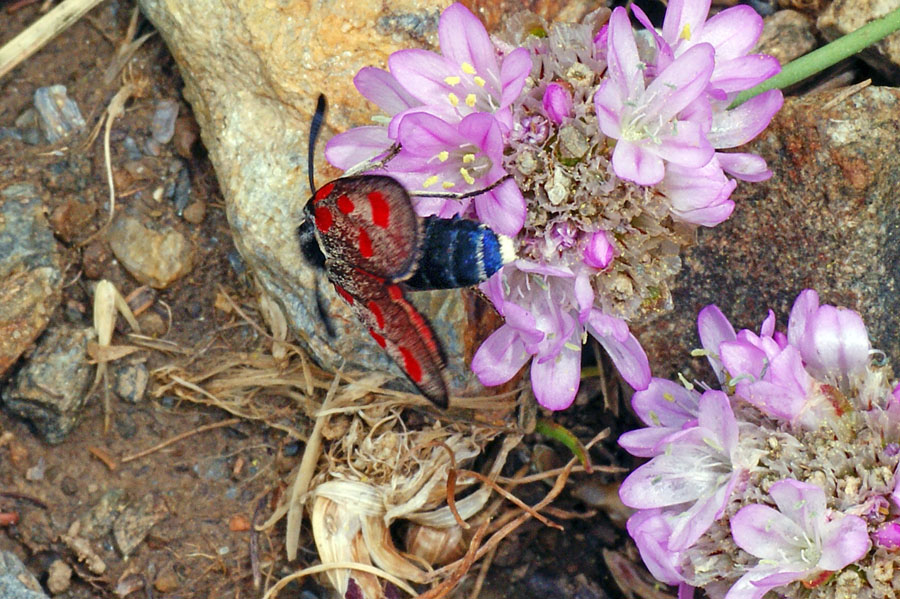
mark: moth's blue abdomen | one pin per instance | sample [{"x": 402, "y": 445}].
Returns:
[{"x": 459, "y": 253}]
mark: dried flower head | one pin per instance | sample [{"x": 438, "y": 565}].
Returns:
[{"x": 805, "y": 493}]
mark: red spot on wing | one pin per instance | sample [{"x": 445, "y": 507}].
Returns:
[
  {"x": 380, "y": 210},
  {"x": 324, "y": 218},
  {"x": 376, "y": 311},
  {"x": 365, "y": 244},
  {"x": 345, "y": 204},
  {"x": 395, "y": 292},
  {"x": 323, "y": 192},
  {"x": 343, "y": 293},
  {"x": 411, "y": 365},
  {"x": 378, "y": 338}
]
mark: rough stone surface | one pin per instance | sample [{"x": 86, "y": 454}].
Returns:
[
  {"x": 253, "y": 90},
  {"x": 828, "y": 220},
  {"x": 131, "y": 382},
  {"x": 845, "y": 16},
  {"x": 155, "y": 254},
  {"x": 30, "y": 276},
  {"x": 51, "y": 388},
  {"x": 787, "y": 35},
  {"x": 16, "y": 582},
  {"x": 135, "y": 522}
]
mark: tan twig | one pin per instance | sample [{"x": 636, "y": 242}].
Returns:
[
  {"x": 42, "y": 31},
  {"x": 177, "y": 438},
  {"x": 273, "y": 592}
]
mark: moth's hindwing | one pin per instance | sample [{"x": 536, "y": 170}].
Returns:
[
  {"x": 396, "y": 326},
  {"x": 458, "y": 253},
  {"x": 368, "y": 222}
]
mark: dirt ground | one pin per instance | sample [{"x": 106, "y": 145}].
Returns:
[{"x": 203, "y": 492}]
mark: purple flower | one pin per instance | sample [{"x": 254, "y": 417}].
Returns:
[
  {"x": 665, "y": 407},
  {"x": 467, "y": 77},
  {"x": 887, "y": 535},
  {"x": 833, "y": 341},
  {"x": 645, "y": 120},
  {"x": 695, "y": 470},
  {"x": 777, "y": 373},
  {"x": 464, "y": 157},
  {"x": 557, "y": 103},
  {"x": 651, "y": 530},
  {"x": 547, "y": 310},
  {"x": 598, "y": 251},
  {"x": 798, "y": 541},
  {"x": 360, "y": 144}
]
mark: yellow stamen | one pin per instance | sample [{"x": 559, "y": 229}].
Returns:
[
  {"x": 686, "y": 32},
  {"x": 478, "y": 81},
  {"x": 443, "y": 156},
  {"x": 468, "y": 158},
  {"x": 447, "y": 184},
  {"x": 466, "y": 176},
  {"x": 470, "y": 100},
  {"x": 454, "y": 101},
  {"x": 452, "y": 80},
  {"x": 430, "y": 181},
  {"x": 571, "y": 346},
  {"x": 467, "y": 68}
]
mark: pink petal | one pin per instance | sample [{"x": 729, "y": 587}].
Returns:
[
  {"x": 514, "y": 71},
  {"x": 628, "y": 356},
  {"x": 684, "y": 12},
  {"x": 746, "y": 167},
  {"x": 744, "y": 72},
  {"x": 633, "y": 162},
  {"x": 688, "y": 147},
  {"x": 380, "y": 87},
  {"x": 714, "y": 329},
  {"x": 733, "y": 32},
  {"x": 739, "y": 125},
  {"x": 680, "y": 83},
  {"x": 844, "y": 541},
  {"x": 353, "y": 147},
  {"x": 804, "y": 307},
  {"x": 464, "y": 39},
  {"x": 502, "y": 208},
  {"x": 423, "y": 73},
  {"x": 425, "y": 135},
  {"x": 555, "y": 381},
  {"x": 500, "y": 357},
  {"x": 623, "y": 59},
  {"x": 608, "y": 104}
]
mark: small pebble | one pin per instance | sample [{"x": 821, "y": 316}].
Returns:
[
  {"x": 69, "y": 485},
  {"x": 162, "y": 128},
  {"x": 36, "y": 472},
  {"x": 59, "y": 577},
  {"x": 187, "y": 134},
  {"x": 132, "y": 149},
  {"x": 195, "y": 212},
  {"x": 167, "y": 581},
  {"x": 58, "y": 115},
  {"x": 182, "y": 191}
]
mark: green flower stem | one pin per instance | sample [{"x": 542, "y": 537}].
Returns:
[
  {"x": 826, "y": 56},
  {"x": 563, "y": 435}
]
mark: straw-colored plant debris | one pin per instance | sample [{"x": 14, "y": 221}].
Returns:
[{"x": 367, "y": 476}]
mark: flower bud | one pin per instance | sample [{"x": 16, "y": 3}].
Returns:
[
  {"x": 599, "y": 251},
  {"x": 557, "y": 103}
]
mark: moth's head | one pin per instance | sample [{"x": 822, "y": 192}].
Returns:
[{"x": 309, "y": 245}]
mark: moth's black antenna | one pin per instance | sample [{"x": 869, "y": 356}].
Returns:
[{"x": 314, "y": 128}]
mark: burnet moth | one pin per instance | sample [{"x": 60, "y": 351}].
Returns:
[{"x": 363, "y": 232}]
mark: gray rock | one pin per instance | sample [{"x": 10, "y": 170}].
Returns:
[
  {"x": 827, "y": 220},
  {"x": 98, "y": 521},
  {"x": 30, "y": 274},
  {"x": 846, "y": 16},
  {"x": 16, "y": 581},
  {"x": 58, "y": 115},
  {"x": 153, "y": 253},
  {"x": 50, "y": 389},
  {"x": 135, "y": 522},
  {"x": 788, "y": 34},
  {"x": 253, "y": 103},
  {"x": 132, "y": 149},
  {"x": 131, "y": 382},
  {"x": 162, "y": 128}
]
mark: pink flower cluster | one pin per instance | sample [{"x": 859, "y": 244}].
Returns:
[
  {"x": 455, "y": 116},
  {"x": 741, "y": 460}
]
